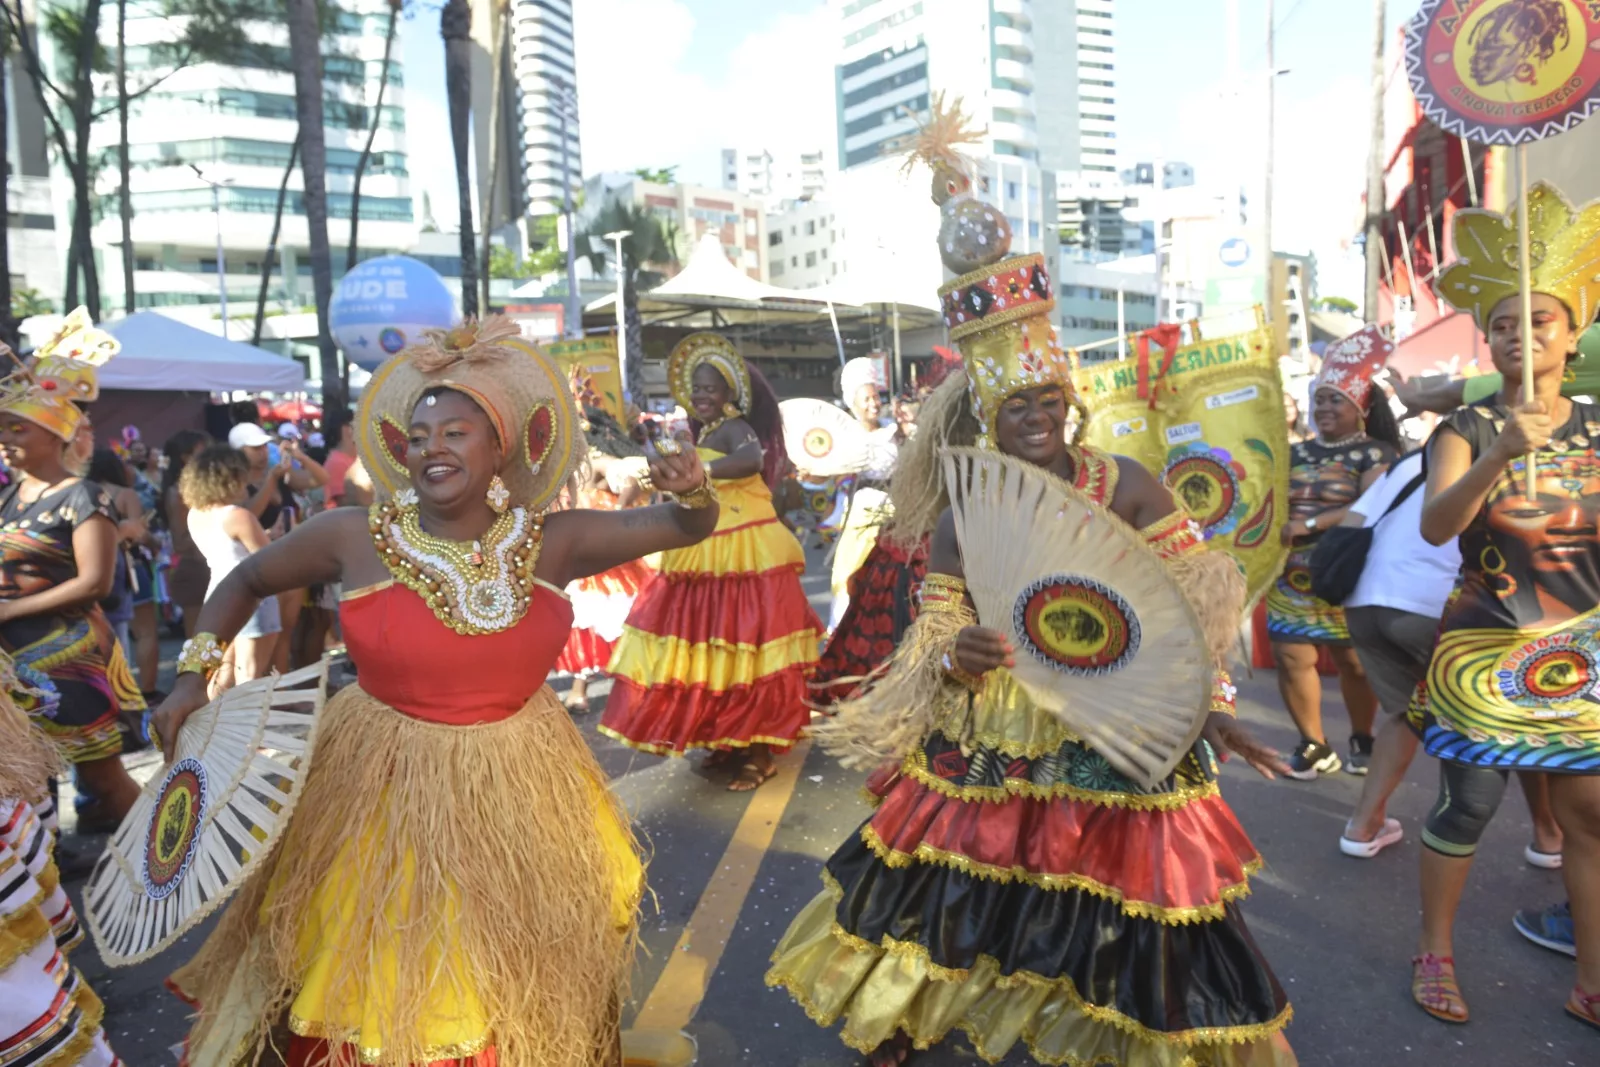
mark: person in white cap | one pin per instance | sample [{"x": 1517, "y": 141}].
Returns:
[{"x": 273, "y": 484}]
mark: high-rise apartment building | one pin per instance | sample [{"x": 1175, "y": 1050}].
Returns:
[
  {"x": 776, "y": 176},
  {"x": 544, "y": 98},
  {"x": 211, "y": 144},
  {"x": 1038, "y": 75}
]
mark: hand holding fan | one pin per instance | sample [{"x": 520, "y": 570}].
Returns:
[
  {"x": 1105, "y": 639},
  {"x": 202, "y": 826},
  {"x": 821, "y": 439}
]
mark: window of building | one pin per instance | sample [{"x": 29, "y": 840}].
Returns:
[
  {"x": 794, "y": 261},
  {"x": 1107, "y": 134},
  {"x": 1011, "y": 190},
  {"x": 1102, "y": 118},
  {"x": 824, "y": 253},
  {"x": 1094, "y": 48},
  {"x": 885, "y": 85},
  {"x": 811, "y": 259},
  {"x": 811, "y": 227},
  {"x": 777, "y": 269},
  {"x": 1033, "y": 228},
  {"x": 872, "y": 29},
  {"x": 775, "y": 237}
]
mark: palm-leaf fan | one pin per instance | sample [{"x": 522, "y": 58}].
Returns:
[
  {"x": 199, "y": 829},
  {"x": 822, "y": 439},
  {"x": 1105, "y": 639}
]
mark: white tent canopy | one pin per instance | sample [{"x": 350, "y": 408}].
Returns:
[
  {"x": 161, "y": 353},
  {"x": 710, "y": 274}
]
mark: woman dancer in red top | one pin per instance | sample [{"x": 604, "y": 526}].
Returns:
[{"x": 449, "y": 796}]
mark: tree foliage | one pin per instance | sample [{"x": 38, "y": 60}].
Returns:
[
  {"x": 1337, "y": 303},
  {"x": 658, "y": 175}
]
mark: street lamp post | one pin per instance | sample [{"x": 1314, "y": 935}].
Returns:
[
  {"x": 567, "y": 104},
  {"x": 222, "y": 267},
  {"x": 616, "y": 237}
]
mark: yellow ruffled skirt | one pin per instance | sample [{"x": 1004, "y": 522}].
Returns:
[{"x": 440, "y": 889}]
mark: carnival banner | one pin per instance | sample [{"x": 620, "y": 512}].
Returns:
[
  {"x": 595, "y": 360},
  {"x": 1207, "y": 419},
  {"x": 1505, "y": 71}
]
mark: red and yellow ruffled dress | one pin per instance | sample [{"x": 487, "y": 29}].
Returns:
[
  {"x": 1013, "y": 885},
  {"x": 49, "y": 1017},
  {"x": 883, "y": 604},
  {"x": 456, "y": 885},
  {"x": 718, "y": 648},
  {"x": 600, "y": 603}
]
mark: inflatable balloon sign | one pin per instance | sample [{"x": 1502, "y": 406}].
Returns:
[{"x": 384, "y": 304}]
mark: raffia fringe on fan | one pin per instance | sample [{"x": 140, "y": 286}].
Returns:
[
  {"x": 1105, "y": 638},
  {"x": 198, "y": 830}
]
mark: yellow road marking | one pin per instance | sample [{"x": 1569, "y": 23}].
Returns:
[{"x": 676, "y": 996}]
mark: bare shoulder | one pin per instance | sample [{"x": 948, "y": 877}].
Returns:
[
  {"x": 730, "y": 436},
  {"x": 944, "y": 551},
  {"x": 1140, "y": 498}
]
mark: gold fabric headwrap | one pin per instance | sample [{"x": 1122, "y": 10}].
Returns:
[
  {"x": 62, "y": 374},
  {"x": 525, "y": 395},
  {"x": 1563, "y": 251},
  {"x": 717, "y": 350}
]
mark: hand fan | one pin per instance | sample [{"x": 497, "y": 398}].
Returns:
[
  {"x": 1105, "y": 639},
  {"x": 821, "y": 439},
  {"x": 203, "y": 825}
]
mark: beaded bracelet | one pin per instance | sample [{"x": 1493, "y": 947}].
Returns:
[{"x": 202, "y": 654}]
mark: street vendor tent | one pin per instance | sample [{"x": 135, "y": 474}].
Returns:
[
  {"x": 159, "y": 352},
  {"x": 162, "y": 380}
]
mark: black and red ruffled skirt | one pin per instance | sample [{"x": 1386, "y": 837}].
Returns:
[
  {"x": 883, "y": 604},
  {"x": 1028, "y": 892}
]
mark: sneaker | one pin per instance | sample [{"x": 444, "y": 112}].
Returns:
[
  {"x": 1360, "y": 754},
  {"x": 1549, "y": 928},
  {"x": 1311, "y": 759}
]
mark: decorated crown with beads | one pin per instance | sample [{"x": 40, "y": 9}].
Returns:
[
  {"x": 1563, "y": 254},
  {"x": 998, "y": 307}
]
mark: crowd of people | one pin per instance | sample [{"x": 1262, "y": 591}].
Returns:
[{"x": 482, "y": 523}]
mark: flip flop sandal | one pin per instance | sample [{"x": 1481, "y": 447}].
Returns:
[
  {"x": 751, "y": 776},
  {"x": 1434, "y": 978},
  {"x": 1545, "y": 861},
  {"x": 1390, "y": 834},
  {"x": 1584, "y": 1007}
]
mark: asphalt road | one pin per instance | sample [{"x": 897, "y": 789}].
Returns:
[{"x": 731, "y": 869}]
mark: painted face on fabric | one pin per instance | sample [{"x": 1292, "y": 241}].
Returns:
[
  {"x": 451, "y": 450},
  {"x": 1032, "y": 425},
  {"x": 26, "y": 445},
  {"x": 1334, "y": 413},
  {"x": 1557, "y": 531},
  {"x": 708, "y": 391},
  {"x": 1554, "y": 339}
]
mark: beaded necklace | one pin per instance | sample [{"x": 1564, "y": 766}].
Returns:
[{"x": 474, "y": 588}]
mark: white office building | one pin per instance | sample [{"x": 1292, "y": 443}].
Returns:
[
  {"x": 544, "y": 69},
  {"x": 210, "y": 146}
]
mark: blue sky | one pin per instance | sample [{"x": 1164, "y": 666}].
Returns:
[{"x": 665, "y": 82}]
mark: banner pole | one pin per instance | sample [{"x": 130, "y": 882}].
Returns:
[{"x": 1526, "y": 271}]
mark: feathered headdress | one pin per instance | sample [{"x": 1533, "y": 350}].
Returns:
[{"x": 939, "y": 138}]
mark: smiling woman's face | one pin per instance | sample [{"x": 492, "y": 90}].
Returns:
[
  {"x": 1032, "y": 425},
  {"x": 452, "y": 453},
  {"x": 708, "y": 391}
]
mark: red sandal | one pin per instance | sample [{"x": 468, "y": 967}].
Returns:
[
  {"x": 1584, "y": 1007},
  {"x": 1433, "y": 983}
]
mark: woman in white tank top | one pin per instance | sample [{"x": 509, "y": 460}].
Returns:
[{"x": 213, "y": 486}]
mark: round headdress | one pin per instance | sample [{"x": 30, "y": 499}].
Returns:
[
  {"x": 525, "y": 395},
  {"x": 998, "y": 308},
  {"x": 717, "y": 350},
  {"x": 62, "y": 374},
  {"x": 862, "y": 370},
  {"x": 1563, "y": 254}
]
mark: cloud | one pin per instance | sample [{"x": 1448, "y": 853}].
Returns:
[{"x": 642, "y": 106}]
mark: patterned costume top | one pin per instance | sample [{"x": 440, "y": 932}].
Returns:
[
  {"x": 75, "y": 648},
  {"x": 1515, "y": 678},
  {"x": 1321, "y": 477}
]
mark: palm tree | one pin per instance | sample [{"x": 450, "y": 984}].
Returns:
[
  {"x": 652, "y": 243},
  {"x": 270, "y": 260},
  {"x": 372, "y": 133},
  {"x": 455, "y": 26},
  {"x": 304, "y": 37}
]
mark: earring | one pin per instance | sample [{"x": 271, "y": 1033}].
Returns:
[
  {"x": 729, "y": 411},
  {"x": 499, "y": 496}
]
